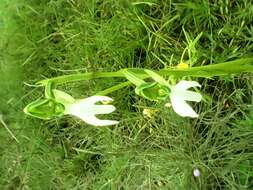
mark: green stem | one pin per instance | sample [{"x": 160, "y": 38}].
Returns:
[
  {"x": 221, "y": 69},
  {"x": 114, "y": 88},
  {"x": 207, "y": 71},
  {"x": 80, "y": 77}
]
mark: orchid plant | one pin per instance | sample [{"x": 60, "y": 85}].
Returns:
[{"x": 159, "y": 86}]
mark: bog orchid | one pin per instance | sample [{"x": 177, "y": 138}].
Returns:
[
  {"x": 180, "y": 94},
  {"x": 152, "y": 85},
  {"x": 86, "y": 109},
  {"x": 61, "y": 103}
]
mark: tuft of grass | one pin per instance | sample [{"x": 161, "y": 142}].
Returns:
[{"x": 47, "y": 38}]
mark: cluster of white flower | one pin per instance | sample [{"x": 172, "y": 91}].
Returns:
[{"x": 86, "y": 109}]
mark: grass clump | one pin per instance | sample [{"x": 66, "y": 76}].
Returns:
[{"x": 41, "y": 39}]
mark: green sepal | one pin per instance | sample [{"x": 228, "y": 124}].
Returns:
[
  {"x": 133, "y": 78},
  {"x": 49, "y": 89},
  {"x": 156, "y": 77},
  {"x": 153, "y": 91},
  {"x": 44, "y": 109},
  {"x": 63, "y": 97}
]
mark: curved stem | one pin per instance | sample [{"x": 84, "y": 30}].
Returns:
[
  {"x": 231, "y": 67},
  {"x": 114, "y": 88},
  {"x": 80, "y": 77}
]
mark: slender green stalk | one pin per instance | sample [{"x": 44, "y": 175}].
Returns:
[
  {"x": 8, "y": 130},
  {"x": 231, "y": 67},
  {"x": 80, "y": 77},
  {"x": 114, "y": 88},
  {"x": 220, "y": 69}
]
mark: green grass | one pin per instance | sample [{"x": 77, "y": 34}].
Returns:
[{"x": 48, "y": 38}]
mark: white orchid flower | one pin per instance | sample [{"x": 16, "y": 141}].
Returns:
[
  {"x": 179, "y": 95},
  {"x": 86, "y": 109}
]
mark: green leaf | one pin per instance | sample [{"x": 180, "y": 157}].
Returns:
[{"x": 246, "y": 172}]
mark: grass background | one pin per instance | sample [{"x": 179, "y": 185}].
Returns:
[{"x": 47, "y": 38}]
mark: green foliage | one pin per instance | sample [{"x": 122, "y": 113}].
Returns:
[{"x": 41, "y": 39}]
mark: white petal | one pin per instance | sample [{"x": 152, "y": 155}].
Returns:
[
  {"x": 182, "y": 108},
  {"x": 92, "y": 120},
  {"x": 94, "y": 99},
  {"x": 188, "y": 95},
  {"x": 184, "y": 85},
  {"x": 78, "y": 107},
  {"x": 86, "y": 110},
  {"x": 85, "y": 106},
  {"x": 102, "y": 109}
]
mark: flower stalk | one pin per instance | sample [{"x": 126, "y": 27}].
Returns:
[{"x": 157, "y": 90}]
